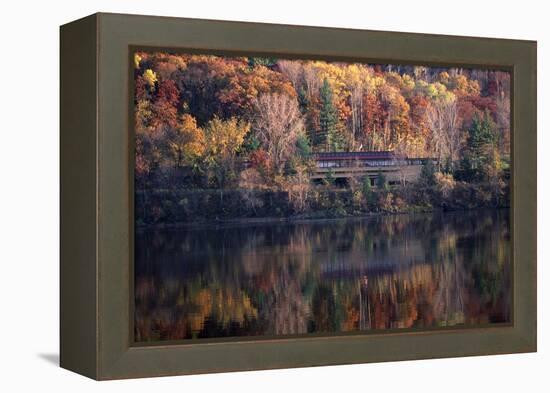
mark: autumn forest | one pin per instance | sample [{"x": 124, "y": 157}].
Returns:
[{"x": 236, "y": 137}]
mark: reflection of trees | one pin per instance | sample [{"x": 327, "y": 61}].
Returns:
[
  {"x": 284, "y": 309},
  {"x": 422, "y": 296},
  {"x": 342, "y": 275},
  {"x": 190, "y": 312}
]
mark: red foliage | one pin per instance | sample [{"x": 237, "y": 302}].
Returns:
[
  {"x": 469, "y": 106},
  {"x": 141, "y": 88},
  {"x": 164, "y": 114},
  {"x": 373, "y": 114},
  {"x": 418, "y": 106},
  {"x": 167, "y": 91},
  {"x": 244, "y": 87},
  {"x": 466, "y": 110},
  {"x": 484, "y": 103},
  {"x": 259, "y": 159}
]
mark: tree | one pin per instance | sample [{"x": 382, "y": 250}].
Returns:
[
  {"x": 366, "y": 190},
  {"x": 328, "y": 122},
  {"x": 303, "y": 147},
  {"x": 356, "y": 77},
  {"x": 373, "y": 122},
  {"x": 168, "y": 92},
  {"x": 481, "y": 159},
  {"x": 150, "y": 77},
  {"x": 150, "y": 156},
  {"x": 381, "y": 182},
  {"x": 396, "y": 125},
  {"x": 259, "y": 160},
  {"x": 137, "y": 60},
  {"x": 444, "y": 122},
  {"x": 395, "y": 118},
  {"x": 453, "y": 137},
  {"x": 297, "y": 187},
  {"x": 223, "y": 139},
  {"x": 262, "y": 61},
  {"x": 164, "y": 106},
  {"x": 277, "y": 125},
  {"x": 310, "y": 112},
  {"x": 419, "y": 129},
  {"x": 250, "y": 180},
  {"x": 293, "y": 70},
  {"x": 187, "y": 142},
  {"x": 427, "y": 174},
  {"x": 329, "y": 179}
]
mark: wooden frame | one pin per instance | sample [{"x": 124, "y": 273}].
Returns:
[{"x": 97, "y": 189}]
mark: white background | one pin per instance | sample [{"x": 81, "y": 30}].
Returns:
[{"x": 29, "y": 196}]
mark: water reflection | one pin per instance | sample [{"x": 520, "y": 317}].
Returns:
[{"x": 406, "y": 271}]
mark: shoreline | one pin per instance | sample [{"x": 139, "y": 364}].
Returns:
[{"x": 251, "y": 221}]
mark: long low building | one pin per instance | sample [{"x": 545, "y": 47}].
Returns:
[{"x": 342, "y": 165}]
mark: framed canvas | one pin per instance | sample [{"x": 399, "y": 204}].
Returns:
[{"x": 242, "y": 196}]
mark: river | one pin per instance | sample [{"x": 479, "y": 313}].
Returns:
[{"x": 379, "y": 273}]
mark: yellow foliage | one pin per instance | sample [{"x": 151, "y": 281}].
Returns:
[
  {"x": 177, "y": 61},
  {"x": 203, "y": 304},
  {"x": 235, "y": 307},
  {"x": 394, "y": 79},
  {"x": 445, "y": 183},
  {"x": 137, "y": 60},
  {"x": 143, "y": 115},
  {"x": 407, "y": 83},
  {"x": 189, "y": 143},
  {"x": 224, "y": 137},
  {"x": 334, "y": 74},
  {"x": 459, "y": 84},
  {"x": 229, "y": 306},
  {"x": 434, "y": 91},
  {"x": 464, "y": 86},
  {"x": 150, "y": 77},
  {"x": 444, "y": 77},
  {"x": 356, "y": 75}
]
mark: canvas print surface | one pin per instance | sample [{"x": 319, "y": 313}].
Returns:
[{"x": 282, "y": 197}]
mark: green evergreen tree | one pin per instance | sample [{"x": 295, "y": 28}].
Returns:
[
  {"x": 305, "y": 105},
  {"x": 290, "y": 167},
  {"x": 250, "y": 143},
  {"x": 303, "y": 147},
  {"x": 329, "y": 177},
  {"x": 328, "y": 134},
  {"x": 381, "y": 182},
  {"x": 366, "y": 190},
  {"x": 264, "y": 61},
  {"x": 303, "y": 101},
  {"x": 427, "y": 174},
  {"x": 479, "y": 160}
]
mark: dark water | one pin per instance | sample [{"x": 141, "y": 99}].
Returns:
[{"x": 392, "y": 272}]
